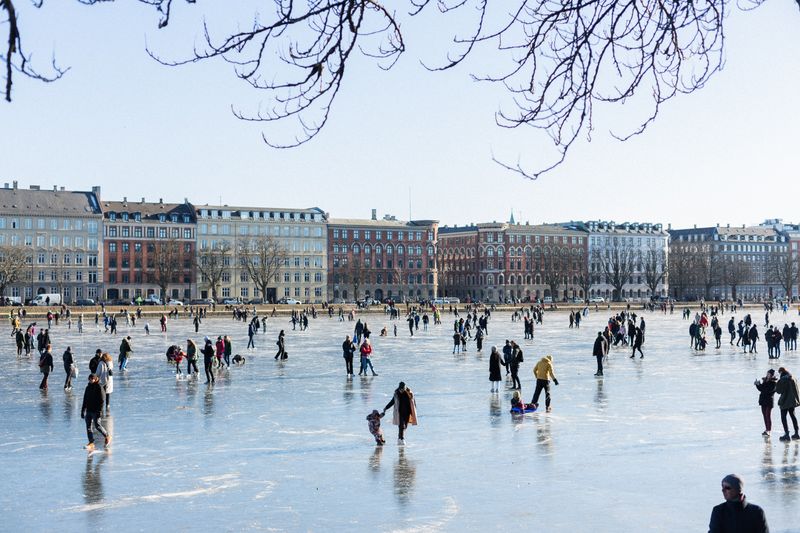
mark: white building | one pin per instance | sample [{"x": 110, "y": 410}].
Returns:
[
  {"x": 640, "y": 241},
  {"x": 61, "y": 232},
  {"x": 301, "y": 233}
]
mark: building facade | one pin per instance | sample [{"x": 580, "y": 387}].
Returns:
[
  {"x": 380, "y": 259},
  {"x": 149, "y": 246},
  {"x": 725, "y": 262},
  {"x": 512, "y": 262},
  {"x": 627, "y": 261},
  {"x": 60, "y": 233},
  {"x": 300, "y": 234}
]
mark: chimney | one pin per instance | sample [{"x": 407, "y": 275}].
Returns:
[
  {"x": 5, "y": 185},
  {"x": 55, "y": 188},
  {"x": 695, "y": 226},
  {"x": 186, "y": 201},
  {"x": 15, "y": 184},
  {"x": 717, "y": 224},
  {"x": 96, "y": 191},
  {"x": 161, "y": 201},
  {"x": 142, "y": 199},
  {"x": 125, "y": 200},
  {"x": 61, "y": 188},
  {"x": 374, "y": 214},
  {"x": 727, "y": 225}
]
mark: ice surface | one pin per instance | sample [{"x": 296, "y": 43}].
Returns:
[{"x": 284, "y": 446}]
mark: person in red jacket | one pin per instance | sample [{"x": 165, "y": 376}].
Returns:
[{"x": 366, "y": 352}]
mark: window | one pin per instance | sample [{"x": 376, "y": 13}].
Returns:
[
  {"x": 377, "y": 235},
  {"x": 335, "y": 233},
  {"x": 112, "y": 247}
]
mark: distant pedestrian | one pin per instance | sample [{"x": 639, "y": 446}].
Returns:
[
  {"x": 45, "y": 366},
  {"x": 495, "y": 361},
  {"x": 69, "y": 364},
  {"x": 600, "y": 350}
]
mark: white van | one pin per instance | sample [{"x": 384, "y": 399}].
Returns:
[{"x": 52, "y": 298}]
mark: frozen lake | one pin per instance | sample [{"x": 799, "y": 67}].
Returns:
[{"x": 284, "y": 446}]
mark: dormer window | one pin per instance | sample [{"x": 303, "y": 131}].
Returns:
[
  {"x": 112, "y": 216},
  {"x": 137, "y": 217},
  {"x": 162, "y": 218},
  {"x": 174, "y": 218},
  {"x": 125, "y": 217}
]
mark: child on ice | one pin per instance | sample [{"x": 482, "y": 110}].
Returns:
[{"x": 374, "y": 420}]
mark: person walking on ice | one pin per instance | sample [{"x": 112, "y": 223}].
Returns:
[
  {"x": 93, "y": 399},
  {"x": 543, "y": 372},
  {"x": 405, "y": 410}
]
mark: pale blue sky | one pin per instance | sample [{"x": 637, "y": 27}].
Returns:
[{"x": 118, "y": 119}]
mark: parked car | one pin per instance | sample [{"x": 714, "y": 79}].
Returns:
[
  {"x": 87, "y": 302},
  {"x": 231, "y": 301},
  {"x": 597, "y": 300},
  {"x": 290, "y": 301},
  {"x": 175, "y": 303},
  {"x": 548, "y": 300},
  {"x": 12, "y": 300},
  {"x": 256, "y": 301}
]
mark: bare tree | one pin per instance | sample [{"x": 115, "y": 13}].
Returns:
[
  {"x": 353, "y": 273},
  {"x": 556, "y": 61},
  {"x": 735, "y": 272},
  {"x": 617, "y": 263},
  {"x": 680, "y": 269},
  {"x": 13, "y": 267},
  {"x": 212, "y": 264},
  {"x": 707, "y": 263},
  {"x": 654, "y": 265},
  {"x": 166, "y": 266},
  {"x": 553, "y": 266},
  {"x": 784, "y": 268},
  {"x": 262, "y": 259}
]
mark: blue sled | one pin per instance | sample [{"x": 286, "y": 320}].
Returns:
[{"x": 518, "y": 411}]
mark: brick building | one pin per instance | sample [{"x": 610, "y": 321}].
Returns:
[
  {"x": 500, "y": 262},
  {"x": 147, "y": 245},
  {"x": 381, "y": 259}
]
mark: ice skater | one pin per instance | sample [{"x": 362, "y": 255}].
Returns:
[
  {"x": 92, "y": 409},
  {"x": 405, "y": 410},
  {"x": 766, "y": 398},
  {"x": 374, "y": 423}
]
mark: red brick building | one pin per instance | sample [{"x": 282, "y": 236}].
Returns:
[
  {"x": 147, "y": 244},
  {"x": 382, "y": 259},
  {"x": 499, "y": 262}
]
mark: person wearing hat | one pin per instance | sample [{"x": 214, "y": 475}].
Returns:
[
  {"x": 543, "y": 372},
  {"x": 735, "y": 514},
  {"x": 94, "y": 361},
  {"x": 405, "y": 410},
  {"x": 766, "y": 389}
]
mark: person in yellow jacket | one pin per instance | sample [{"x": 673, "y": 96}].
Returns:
[{"x": 544, "y": 373}]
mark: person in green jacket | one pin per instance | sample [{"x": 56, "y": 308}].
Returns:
[
  {"x": 789, "y": 400},
  {"x": 191, "y": 357}
]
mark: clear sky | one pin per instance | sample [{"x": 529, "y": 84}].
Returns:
[{"x": 400, "y": 140}]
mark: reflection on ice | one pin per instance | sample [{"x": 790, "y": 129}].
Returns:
[{"x": 285, "y": 443}]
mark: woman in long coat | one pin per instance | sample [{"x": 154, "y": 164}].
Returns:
[
  {"x": 405, "y": 409},
  {"x": 495, "y": 361}
]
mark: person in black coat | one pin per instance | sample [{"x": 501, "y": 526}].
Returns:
[
  {"x": 68, "y": 362},
  {"x": 94, "y": 397},
  {"x": 348, "y": 349},
  {"x": 208, "y": 360},
  {"x": 600, "y": 350},
  {"x": 281, "y": 346},
  {"x": 766, "y": 398},
  {"x": 45, "y": 366},
  {"x": 495, "y": 361},
  {"x": 736, "y": 515}
]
